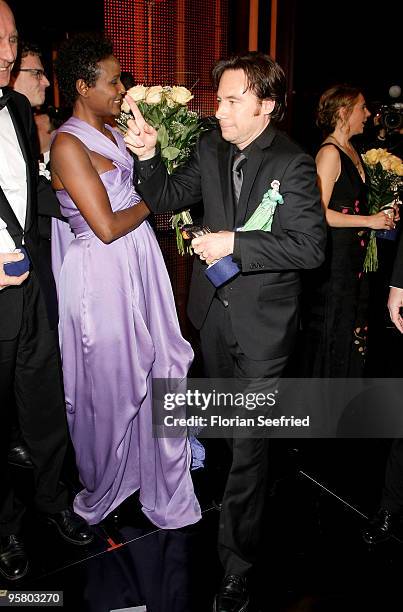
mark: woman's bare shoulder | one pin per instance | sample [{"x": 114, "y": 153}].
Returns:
[{"x": 328, "y": 152}]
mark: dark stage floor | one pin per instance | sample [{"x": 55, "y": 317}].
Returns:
[{"x": 312, "y": 556}]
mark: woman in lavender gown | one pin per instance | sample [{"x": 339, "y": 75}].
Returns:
[{"x": 118, "y": 323}]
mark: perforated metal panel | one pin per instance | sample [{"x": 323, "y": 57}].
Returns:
[{"x": 171, "y": 42}]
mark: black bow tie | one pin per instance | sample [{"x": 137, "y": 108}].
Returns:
[{"x": 4, "y": 99}]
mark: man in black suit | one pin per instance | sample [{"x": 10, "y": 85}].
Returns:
[
  {"x": 248, "y": 326},
  {"x": 28, "y": 78},
  {"x": 30, "y": 375},
  {"x": 390, "y": 513}
]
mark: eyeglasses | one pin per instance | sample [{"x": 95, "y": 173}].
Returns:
[{"x": 38, "y": 73}]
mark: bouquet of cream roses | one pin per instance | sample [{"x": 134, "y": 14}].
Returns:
[
  {"x": 178, "y": 128},
  {"x": 385, "y": 173}
]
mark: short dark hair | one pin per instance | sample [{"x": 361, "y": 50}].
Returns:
[
  {"x": 266, "y": 79},
  {"x": 331, "y": 101},
  {"x": 29, "y": 48},
  {"x": 25, "y": 48},
  {"x": 78, "y": 58}
]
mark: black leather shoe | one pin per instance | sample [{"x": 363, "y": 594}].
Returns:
[
  {"x": 233, "y": 595},
  {"x": 13, "y": 560},
  {"x": 19, "y": 455},
  {"x": 381, "y": 527},
  {"x": 71, "y": 527}
]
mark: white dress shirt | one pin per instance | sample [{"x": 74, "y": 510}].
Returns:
[{"x": 13, "y": 172}]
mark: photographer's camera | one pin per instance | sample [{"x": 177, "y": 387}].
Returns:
[{"x": 392, "y": 116}]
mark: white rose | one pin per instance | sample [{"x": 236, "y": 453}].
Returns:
[
  {"x": 153, "y": 94},
  {"x": 137, "y": 93},
  {"x": 167, "y": 95},
  {"x": 180, "y": 95}
]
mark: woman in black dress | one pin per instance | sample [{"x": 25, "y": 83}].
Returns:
[{"x": 335, "y": 328}]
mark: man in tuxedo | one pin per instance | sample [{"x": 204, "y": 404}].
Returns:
[
  {"x": 390, "y": 513},
  {"x": 28, "y": 78},
  {"x": 248, "y": 326},
  {"x": 30, "y": 375}
]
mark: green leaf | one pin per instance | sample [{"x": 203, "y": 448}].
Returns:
[
  {"x": 162, "y": 136},
  {"x": 170, "y": 153}
]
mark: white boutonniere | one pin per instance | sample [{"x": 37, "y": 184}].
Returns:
[
  {"x": 43, "y": 171},
  {"x": 262, "y": 218}
]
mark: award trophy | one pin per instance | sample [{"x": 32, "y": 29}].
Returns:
[{"x": 220, "y": 271}]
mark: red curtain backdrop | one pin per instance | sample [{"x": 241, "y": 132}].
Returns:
[{"x": 168, "y": 42}]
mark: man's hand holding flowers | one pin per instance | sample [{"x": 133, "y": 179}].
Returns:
[
  {"x": 162, "y": 119},
  {"x": 140, "y": 138}
]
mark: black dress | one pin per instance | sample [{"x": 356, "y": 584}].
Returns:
[{"x": 336, "y": 295}]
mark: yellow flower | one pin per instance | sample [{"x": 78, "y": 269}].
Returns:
[
  {"x": 386, "y": 163},
  {"x": 137, "y": 94},
  {"x": 399, "y": 169},
  {"x": 371, "y": 157},
  {"x": 153, "y": 94},
  {"x": 180, "y": 95},
  {"x": 395, "y": 159}
]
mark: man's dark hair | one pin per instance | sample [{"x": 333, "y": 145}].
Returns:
[
  {"x": 265, "y": 78},
  {"x": 78, "y": 58},
  {"x": 25, "y": 48},
  {"x": 29, "y": 48}
]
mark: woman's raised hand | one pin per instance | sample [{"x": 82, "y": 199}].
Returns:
[{"x": 140, "y": 138}]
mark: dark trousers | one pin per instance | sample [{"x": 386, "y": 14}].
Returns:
[
  {"x": 392, "y": 496},
  {"x": 244, "y": 495},
  {"x": 30, "y": 381}
]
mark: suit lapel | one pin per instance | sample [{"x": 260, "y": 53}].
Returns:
[
  {"x": 26, "y": 152},
  {"x": 224, "y": 165},
  {"x": 258, "y": 154}
]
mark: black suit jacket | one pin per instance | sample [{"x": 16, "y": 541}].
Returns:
[
  {"x": 11, "y": 298},
  {"x": 397, "y": 275},
  {"x": 263, "y": 299}
]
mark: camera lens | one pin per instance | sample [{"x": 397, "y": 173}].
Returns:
[{"x": 392, "y": 120}]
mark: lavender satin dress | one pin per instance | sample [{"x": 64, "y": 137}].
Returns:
[{"x": 118, "y": 330}]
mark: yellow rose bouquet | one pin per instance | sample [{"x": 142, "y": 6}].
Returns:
[
  {"x": 178, "y": 128},
  {"x": 385, "y": 174}
]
